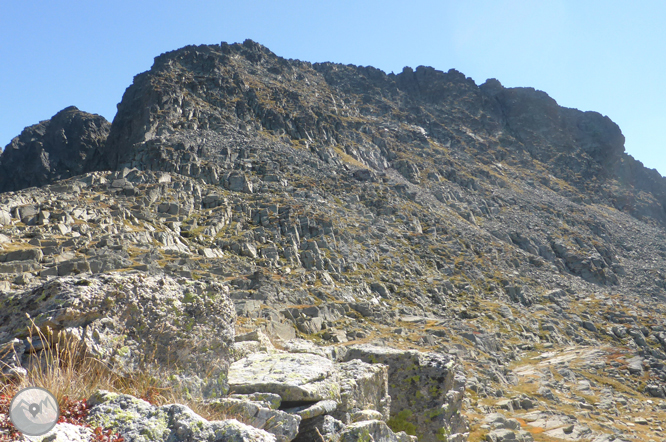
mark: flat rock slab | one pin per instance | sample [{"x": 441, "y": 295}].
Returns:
[
  {"x": 295, "y": 377},
  {"x": 64, "y": 432}
]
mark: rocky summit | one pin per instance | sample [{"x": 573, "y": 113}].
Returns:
[{"x": 329, "y": 252}]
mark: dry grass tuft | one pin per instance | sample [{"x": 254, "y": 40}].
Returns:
[{"x": 60, "y": 363}]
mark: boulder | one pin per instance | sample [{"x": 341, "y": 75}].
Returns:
[
  {"x": 64, "y": 432},
  {"x": 372, "y": 431},
  {"x": 22, "y": 255},
  {"x": 238, "y": 182},
  {"x": 5, "y": 218},
  {"x": 135, "y": 322},
  {"x": 137, "y": 420},
  {"x": 505, "y": 435},
  {"x": 363, "y": 387}
]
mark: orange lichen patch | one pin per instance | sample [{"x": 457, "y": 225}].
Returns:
[
  {"x": 521, "y": 421},
  {"x": 535, "y": 430}
]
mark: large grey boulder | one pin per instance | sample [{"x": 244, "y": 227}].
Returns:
[
  {"x": 426, "y": 390},
  {"x": 22, "y": 255},
  {"x": 138, "y": 421},
  {"x": 312, "y": 388},
  {"x": 134, "y": 322}
]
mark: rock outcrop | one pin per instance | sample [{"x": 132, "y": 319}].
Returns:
[
  {"x": 197, "y": 104},
  {"x": 426, "y": 392},
  {"x": 52, "y": 150}
]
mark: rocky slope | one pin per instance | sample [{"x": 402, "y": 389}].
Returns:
[{"x": 484, "y": 226}]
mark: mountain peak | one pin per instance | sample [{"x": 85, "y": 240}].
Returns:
[{"x": 54, "y": 149}]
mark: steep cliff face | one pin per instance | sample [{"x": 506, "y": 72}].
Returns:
[{"x": 53, "y": 149}]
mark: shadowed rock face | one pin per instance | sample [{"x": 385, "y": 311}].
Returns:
[{"x": 53, "y": 149}]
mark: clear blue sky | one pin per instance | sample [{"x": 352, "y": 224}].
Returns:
[{"x": 608, "y": 56}]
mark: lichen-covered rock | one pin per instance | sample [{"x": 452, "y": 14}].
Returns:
[
  {"x": 324, "y": 426},
  {"x": 295, "y": 377},
  {"x": 131, "y": 322},
  {"x": 425, "y": 389},
  {"x": 363, "y": 386},
  {"x": 138, "y": 421},
  {"x": 268, "y": 400},
  {"x": 253, "y": 342},
  {"x": 311, "y": 411},
  {"x": 279, "y": 423},
  {"x": 64, "y": 432},
  {"x": 366, "y": 415}
]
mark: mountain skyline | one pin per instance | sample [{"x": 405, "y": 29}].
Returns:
[{"x": 597, "y": 56}]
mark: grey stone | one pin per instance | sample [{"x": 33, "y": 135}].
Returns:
[
  {"x": 248, "y": 249},
  {"x": 295, "y": 377},
  {"x": 22, "y": 255},
  {"x": 238, "y": 182},
  {"x": 588, "y": 325},
  {"x": 366, "y": 415},
  {"x": 64, "y": 432},
  {"x": 635, "y": 365},
  {"x": 136, "y": 420},
  {"x": 318, "y": 409},
  {"x": 28, "y": 213},
  {"x": 655, "y": 390},
  {"x": 52, "y": 150},
  {"x": 363, "y": 386},
  {"x": 501, "y": 435},
  {"x": 371, "y": 431},
  {"x": 73, "y": 267},
  {"x": 436, "y": 409},
  {"x": 279, "y": 423},
  {"x": 270, "y": 400},
  {"x": 281, "y": 330},
  {"x": 186, "y": 328},
  {"x": 5, "y": 218}
]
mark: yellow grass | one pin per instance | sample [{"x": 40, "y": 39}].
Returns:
[{"x": 65, "y": 369}]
